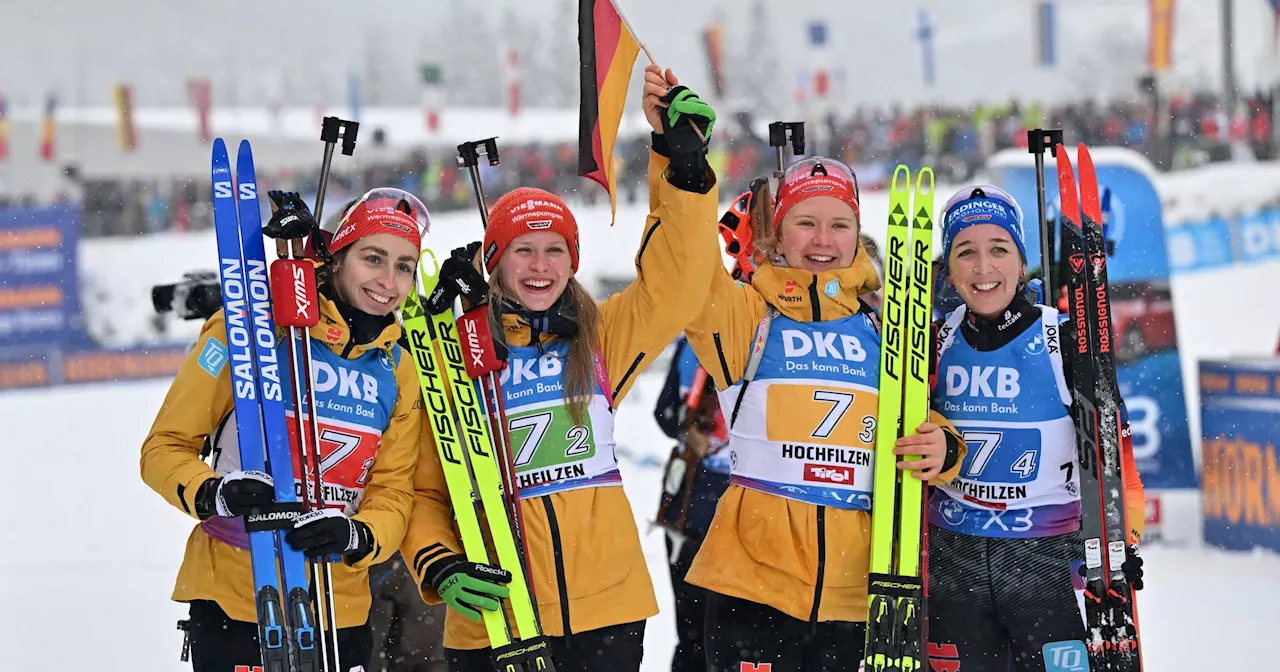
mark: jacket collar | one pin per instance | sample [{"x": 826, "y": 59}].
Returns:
[
  {"x": 335, "y": 333},
  {"x": 805, "y": 296}
]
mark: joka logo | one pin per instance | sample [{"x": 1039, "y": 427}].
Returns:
[
  {"x": 828, "y": 474},
  {"x": 944, "y": 658},
  {"x": 755, "y": 667},
  {"x": 790, "y": 287},
  {"x": 1077, "y": 262}
]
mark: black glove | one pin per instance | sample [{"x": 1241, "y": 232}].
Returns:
[
  {"x": 328, "y": 531},
  {"x": 235, "y": 494},
  {"x": 459, "y": 277},
  {"x": 1132, "y": 567},
  {"x": 291, "y": 218},
  {"x": 468, "y": 586},
  {"x": 688, "y": 152}
]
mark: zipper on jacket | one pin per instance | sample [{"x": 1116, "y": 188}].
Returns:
[
  {"x": 822, "y": 568},
  {"x": 644, "y": 244},
  {"x": 561, "y": 584},
  {"x": 813, "y": 300},
  {"x": 724, "y": 364},
  {"x": 623, "y": 382}
]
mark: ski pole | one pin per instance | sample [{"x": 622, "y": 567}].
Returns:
[
  {"x": 490, "y": 384},
  {"x": 296, "y": 278},
  {"x": 1038, "y": 140}
]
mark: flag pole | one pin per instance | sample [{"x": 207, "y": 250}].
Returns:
[{"x": 648, "y": 54}]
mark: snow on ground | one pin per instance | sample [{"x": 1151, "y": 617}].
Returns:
[{"x": 93, "y": 552}]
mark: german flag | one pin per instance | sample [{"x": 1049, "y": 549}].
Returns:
[
  {"x": 608, "y": 52},
  {"x": 48, "y": 129},
  {"x": 4, "y": 130}
]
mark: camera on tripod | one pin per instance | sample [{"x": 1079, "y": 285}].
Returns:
[{"x": 197, "y": 297}]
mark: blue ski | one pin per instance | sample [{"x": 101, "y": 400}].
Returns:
[
  {"x": 231, "y": 272},
  {"x": 286, "y": 626},
  {"x": 272, "y": 390}
]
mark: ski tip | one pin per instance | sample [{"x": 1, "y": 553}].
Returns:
[
  {"x": 245, "y": 152},
  {"x": 903, "y": 173},
  {"x": 219, "y": 152},
  {"x": 1083, "y": 159},
  {"x": 924, "y": 182},
  {"x": 428, "y": 271}
]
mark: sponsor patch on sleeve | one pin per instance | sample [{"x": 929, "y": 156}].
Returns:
[{"x": 213, "y": 357}]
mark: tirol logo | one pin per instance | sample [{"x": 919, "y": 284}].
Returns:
[
  {"x": 823, "y": 473},
  {"x": 1077, "y": 262},
  {"x": 789, "y": 286},
  {"x": 539, "y": 225},
  {"x": 943, "y": 657}
]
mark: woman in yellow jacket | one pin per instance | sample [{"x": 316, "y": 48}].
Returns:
[
  {"x": 572, "y": 361},
  {"x": 795, "y": 356},
  {"x": 371, "y": 402}
]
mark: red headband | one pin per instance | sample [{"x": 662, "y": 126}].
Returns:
[
  {"x": 812, "y": 186},
  {"x": 373, "y": 217}
]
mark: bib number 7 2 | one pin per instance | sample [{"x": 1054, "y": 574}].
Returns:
[{"x": 538, "y": 425}]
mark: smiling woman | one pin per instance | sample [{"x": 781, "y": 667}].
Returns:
[
  {"x": 1016, "y": 500},
  {"x": 570, "y": 362},
  {"x": 368, "y": 484},
  {"x": 794, "y": 355}
]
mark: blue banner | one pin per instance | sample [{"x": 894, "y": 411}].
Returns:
[
  {"x": 1240, "y": 423},
  {"x": 1219, "y": 241},
  {"x": 39, "y": 286},
  {"x": 1148, "y": 367}
]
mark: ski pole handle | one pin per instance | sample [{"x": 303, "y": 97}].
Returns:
[
  {"x": 778, "y": 138},
  {"x": 333, "y": 129},
  {"x": 469, "y": 157},
  {"x": 1038, "y": 140}
]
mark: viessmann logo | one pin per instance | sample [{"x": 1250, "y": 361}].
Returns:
[{"x": 824, "y": 473}]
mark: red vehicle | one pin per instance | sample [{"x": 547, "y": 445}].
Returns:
[{"x": 1142, "y": 316}]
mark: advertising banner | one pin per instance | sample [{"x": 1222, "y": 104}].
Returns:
[
  {"x": 1240, "y": 421},
  {"x": 39, "y": 295}
]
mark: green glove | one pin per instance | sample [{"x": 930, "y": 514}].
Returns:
[
  {"x": 683, "y": 104},
  {"x": 468, "y": 586}
]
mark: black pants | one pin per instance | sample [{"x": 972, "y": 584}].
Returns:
[
  {"x": 408, "y": 634},
  {"x": 743, "y": 636},
  {"x": 993, "y": 601},
  {"x": 691, "y": 606},
  {"x": 219, "y": 644},
  {"x": 616, "y": 648}
]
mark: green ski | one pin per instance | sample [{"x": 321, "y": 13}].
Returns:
[
  {"x": 895, "y": 593},
  {"x": 471, "y": 471}
]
